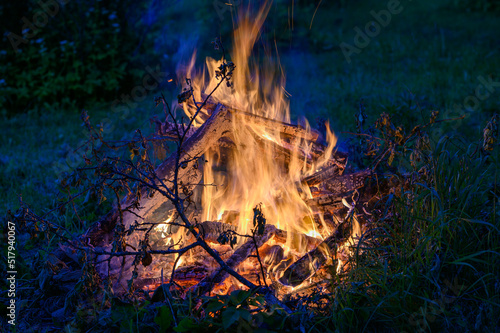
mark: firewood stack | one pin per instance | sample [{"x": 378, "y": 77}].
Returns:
[{"x": 338, "y": 191}]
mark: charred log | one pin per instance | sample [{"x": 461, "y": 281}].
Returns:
[
  {"x": 306, "y": 266},
  {"x": 335, "y": 169},
  {"x": 199, "y": 142},
  {"x": 347, "y": 183},
  {"x": 326, "y": 203},
  {"x": 240, "y": 255},
  {"x": 211, "y": 230}
]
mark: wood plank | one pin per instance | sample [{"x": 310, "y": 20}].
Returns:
[{"x": 294, "y": 131}]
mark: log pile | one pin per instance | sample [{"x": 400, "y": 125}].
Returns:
[{"x": 333, "y": 189}]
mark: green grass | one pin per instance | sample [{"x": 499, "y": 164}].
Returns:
[
  {"x": 39, "y": 149},
  {"x": 431, "y": 266},
  {"x": 427, "y": 58}
]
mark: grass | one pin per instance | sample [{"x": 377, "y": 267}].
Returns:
[
  {"x": 430, "y": 266},
  {"x": 428, "y": 57}
]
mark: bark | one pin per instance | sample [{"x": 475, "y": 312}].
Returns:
[
  {"x": 347, "y": 183},
  {"x": 206, "y": 136},
  {"x": 335, "y": 169},
  {"x": 326, "y": 203},
  {"x": 240, "y": 255},
  {"x": 306, "y": 266}
]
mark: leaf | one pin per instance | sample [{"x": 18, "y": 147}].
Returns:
[
  {"x": 229, "y": 317},
  {"x": 214, "y": 306},
  {"x": 147, "y": 259},
  {"x": 164, "y": 318},
  {"x": 186, "y": 325},
  {"x": 160, "y": 152},
  {"x": 238, "y": 296},
  {"x": 184, "y": 96},
  {"x": 134, "y": 152},
  {"x": 87, "y": 196},
  {"x": 232, "y": 315}
]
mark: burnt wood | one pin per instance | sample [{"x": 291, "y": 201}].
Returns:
[
  {"x": 200, "y": 141},
  {"x": 240, "y": 255},
  {"x": 306, "y": 266}
]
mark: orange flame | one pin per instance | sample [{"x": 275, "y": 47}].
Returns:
[{"x": 252, "y": 172}]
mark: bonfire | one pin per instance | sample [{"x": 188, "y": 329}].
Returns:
[{"x": 248, "y": 194}]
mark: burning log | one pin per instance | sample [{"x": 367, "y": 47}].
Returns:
[
  {"x": 339, "y": 188},
  {"x": 286, "y": 150},
  {"x": 306, "y": 266},
  {"x": 199, "y": 142},
  {"x": 313, "y": 260},
  {"x": 347, "y": 183},
  {"x": 211, "y": 230},
  {"x": 273, "y": 255},
  {"x": 190, "y": 275},
  {"x": 326, "y": 203},
  {"x": 290, "y": 130},
  {"x": 308, "y": 241},
  {"x": 240, "y": 255},
  {"x": 334, "y": 170}
]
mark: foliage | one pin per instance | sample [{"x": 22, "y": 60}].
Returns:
[
  {"x": 82, "y": 54},
  {"x": 430, "y": 264}
]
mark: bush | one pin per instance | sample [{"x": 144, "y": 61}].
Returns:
[{"x": 71, "y": 55}]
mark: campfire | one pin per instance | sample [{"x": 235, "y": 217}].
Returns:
[{"x": 275, "y": 201}]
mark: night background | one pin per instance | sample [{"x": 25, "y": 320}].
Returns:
[{"x": 373, "y": 69}]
